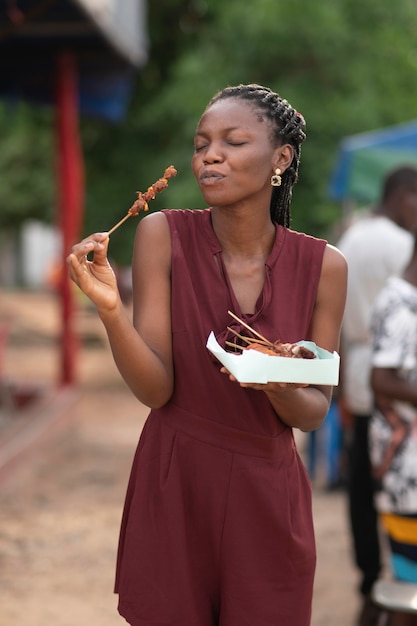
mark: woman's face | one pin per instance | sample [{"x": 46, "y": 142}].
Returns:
[{"x": 233, "y": 154}]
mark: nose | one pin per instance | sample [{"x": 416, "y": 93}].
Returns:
[{"x": 213, "y": 153}]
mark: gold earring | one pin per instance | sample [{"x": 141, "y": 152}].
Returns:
[{"x": 276, "y": 178}]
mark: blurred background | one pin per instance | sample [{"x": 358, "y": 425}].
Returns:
[
  {"x": 97, "y": 98},
  {"x": 144, "y": 72}
]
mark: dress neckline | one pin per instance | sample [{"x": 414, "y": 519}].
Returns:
[{"x": 265, "y": 294}]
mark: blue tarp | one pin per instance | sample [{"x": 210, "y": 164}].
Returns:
[{"x": 364, "y": 159}]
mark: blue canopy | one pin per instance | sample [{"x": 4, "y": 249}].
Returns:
[{"x": 364, "y": 159}]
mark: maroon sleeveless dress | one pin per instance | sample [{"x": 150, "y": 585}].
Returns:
[{"x": 217, "y": 526}]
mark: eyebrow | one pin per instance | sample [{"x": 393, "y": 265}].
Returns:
[{"x": 227, "y": 130}]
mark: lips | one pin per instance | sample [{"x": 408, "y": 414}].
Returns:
[{"x": 209, "y": 177}]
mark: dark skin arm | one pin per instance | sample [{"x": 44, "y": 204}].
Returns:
[
  {"x": 388, "y": 386},
  {"x": 385, "y": 381},
  {"x": 143, "y": 350}
]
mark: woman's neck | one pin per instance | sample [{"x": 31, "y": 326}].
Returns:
[{"x": 244, "y": 233}]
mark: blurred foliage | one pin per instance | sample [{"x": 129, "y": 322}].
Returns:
[
  {"x": 348, "y": 65},
  {"x": 27, "y": 188}
]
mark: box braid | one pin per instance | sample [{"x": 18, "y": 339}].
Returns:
[{"x": 287, "y": 125}]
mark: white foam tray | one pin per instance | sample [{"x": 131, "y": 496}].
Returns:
[{"x": 252, "y": 366}]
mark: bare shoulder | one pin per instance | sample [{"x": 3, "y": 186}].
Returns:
[
  {"x": 152, "y": 241},
  {"x": 153, "y": 230},
  {"x": 334, "y": 261},
  {"x": 333, "y": 279},
  {"x": 331, "y": 298},
  {"x": 154, "y": 225}
]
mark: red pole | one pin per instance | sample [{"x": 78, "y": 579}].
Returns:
[{"x": 70, "y": 192}]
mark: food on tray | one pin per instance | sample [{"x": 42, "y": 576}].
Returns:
[
  {"x": 289, "y": 350},
  {"x": 261, "y": 365},
  {"x": 141, "y": 203},
  {"x": 261, "y": 344}
]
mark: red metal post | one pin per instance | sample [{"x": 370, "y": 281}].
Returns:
[{"x": 71, "y": 193}]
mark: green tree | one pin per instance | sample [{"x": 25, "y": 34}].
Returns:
[
  {"x": 26, "y": 165},
  {"x": 348, "y": 66}
]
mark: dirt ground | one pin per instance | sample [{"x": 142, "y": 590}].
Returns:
[{"x": 60, "y": 507}]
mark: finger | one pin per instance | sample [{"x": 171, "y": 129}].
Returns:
[
  {"x": 224, "y": 370},
  {"x": 80, "y": 251},
  {"x": 97, "y": 243},
  {"x": 76, "y": 267},
  {"x": 99, "y": 252}
]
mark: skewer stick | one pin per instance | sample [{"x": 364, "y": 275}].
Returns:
[
  {"x": 249, "y": 328},
  {"x": 235, "y": 345},
  {"x": 141, "y": 203},
  {"x": 248, "y": 340},
  {"x": 236, "y": 334},
  {"x": 109, "y": 232}
]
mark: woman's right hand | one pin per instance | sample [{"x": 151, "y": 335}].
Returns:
[{"x": 95, "y": 278}]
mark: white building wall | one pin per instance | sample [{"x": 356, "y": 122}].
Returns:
[{"x": 40, "y": 252}]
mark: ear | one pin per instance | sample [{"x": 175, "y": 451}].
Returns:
[{"x": 283, "y": 157}]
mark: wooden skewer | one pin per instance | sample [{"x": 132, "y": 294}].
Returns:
[
  {"x": 236, "y": 334},
  {"x": 141, "y": 203},
  {"x": 260, "y": 342},
  {"x": 235, "y": 345},
  {"x": 249, "y": 328},
  {"x": 109, "y": 232},
  {"x": 128, "y": 214},
  {"x": 249, "y": 340}
]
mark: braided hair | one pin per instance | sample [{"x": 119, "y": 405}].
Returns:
[{"x": 287, "y": 126}]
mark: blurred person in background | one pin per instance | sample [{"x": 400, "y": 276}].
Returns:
[
  {"x": 393, "y": 428},
  {"x": 376, "y": 246}
]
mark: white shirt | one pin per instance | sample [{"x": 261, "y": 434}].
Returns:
[{"x": 375, "y": 249}]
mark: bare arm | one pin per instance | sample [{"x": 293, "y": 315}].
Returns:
[
  {"x": 143, "y": 350},
  {"x": 386, "y": 382},
  {"x": 306, "y": 407}
]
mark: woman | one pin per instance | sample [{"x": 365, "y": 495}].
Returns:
[{"x": 217, "y": 526}]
